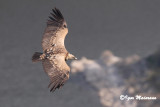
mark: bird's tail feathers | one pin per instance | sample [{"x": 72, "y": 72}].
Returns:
[{"x": 36, "y": 57}]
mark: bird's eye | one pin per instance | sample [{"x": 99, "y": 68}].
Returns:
[{"x": 64, "y": 26}]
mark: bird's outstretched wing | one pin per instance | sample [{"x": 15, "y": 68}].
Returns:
[
  {"x": 57, "y": 70},
  {"x": 55, "y": 31}
]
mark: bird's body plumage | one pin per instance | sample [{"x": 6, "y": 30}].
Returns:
[{"x": 54, "y": 54}]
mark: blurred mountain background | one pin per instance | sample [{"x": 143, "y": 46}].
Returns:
[
  {"x": 114, "y": 76},
  {"x": 124, "y": 27}
]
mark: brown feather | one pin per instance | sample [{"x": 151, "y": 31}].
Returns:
[
  {"x": 55, "y": 33},
  {"x": 57, "y": 70},
  {"x": 54, "y": 51}
]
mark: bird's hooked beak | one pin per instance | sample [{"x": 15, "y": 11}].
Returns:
[
  {"x": 75, "y": 58},
  {"x": 70, "y": 56}
]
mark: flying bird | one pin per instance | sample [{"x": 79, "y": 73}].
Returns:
[{"x": 54, "y": 54}]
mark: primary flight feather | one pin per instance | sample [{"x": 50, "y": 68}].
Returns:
[{"x": 54, "y": 54}]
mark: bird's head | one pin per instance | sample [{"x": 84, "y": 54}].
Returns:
[{"x": 71, "y": 57}]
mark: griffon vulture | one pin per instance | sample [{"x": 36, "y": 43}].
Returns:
[{"x": 54, "y": 54}]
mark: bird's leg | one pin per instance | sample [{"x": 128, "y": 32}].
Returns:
[
  {"x": 49, "y": 51},
  {"x": 70, "y": 56},
  {"x": 47, "y": 54},
  {"x": 43, "y": 56}
]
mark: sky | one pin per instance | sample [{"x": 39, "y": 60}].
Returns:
[{"x": 124, "y": 27}]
